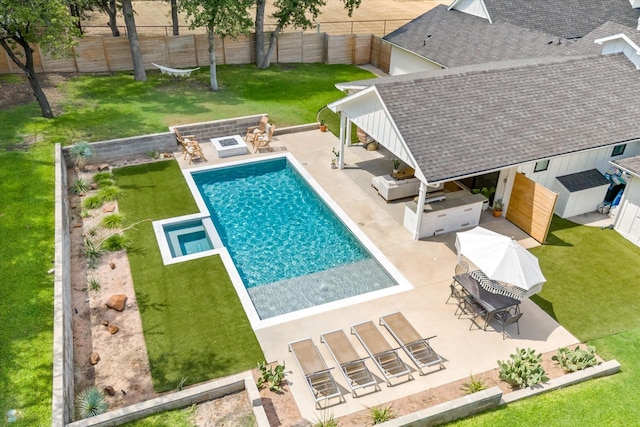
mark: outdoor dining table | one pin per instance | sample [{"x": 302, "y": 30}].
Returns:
[{"x": 492, "y": 303}]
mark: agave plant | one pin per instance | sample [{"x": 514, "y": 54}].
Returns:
[
  {"x": 80, "y": 152},
  {"x": 90, "y": 402}
]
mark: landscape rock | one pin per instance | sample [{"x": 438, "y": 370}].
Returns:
[
  {"x": 113, "y": 329},
  {"x": 94, "y": 358},
  {"x": 116, "y": 302},
  {"x": 103, "y": 166},
  {"x": 109, "y": 207},
  {"x": 112, "y": 265},
  {"x": 110, "y": 390},
  {"x": 105, "y": 322}
]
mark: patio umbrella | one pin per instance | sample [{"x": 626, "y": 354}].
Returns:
[{"x": 501, "y": 258}]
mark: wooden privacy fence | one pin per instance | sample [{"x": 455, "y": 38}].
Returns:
[{"x": 105, "y": 54}]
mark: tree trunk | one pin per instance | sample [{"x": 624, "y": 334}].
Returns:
[
  {"x": 76, "y": 12},
  {"x": 174, "y": 17},
  {"x": 260, "y": 10},
  {"x": 109, "y": 6},
  {"x": 273, "y": 40},
  {"x": 29, "y": 70},
  {"x": 212, "y": 59},
  {"x": 138, "y": 64}
]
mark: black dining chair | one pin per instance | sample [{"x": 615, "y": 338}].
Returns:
[
  {"x": 456, "y": 291},
  {"x": 508, "y": 317}
]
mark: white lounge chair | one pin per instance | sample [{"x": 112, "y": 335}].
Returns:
[
  {"x": 384, "y": 356},
  {"x": 315, "y": 370},
  {"x": 416, "y": 347},
  {"x": 175, "y": 71},
  {"x": 353, "y": 366}
]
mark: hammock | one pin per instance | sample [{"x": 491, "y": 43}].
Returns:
[{"x": 175, "y": 71}]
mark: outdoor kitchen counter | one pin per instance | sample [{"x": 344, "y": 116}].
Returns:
[{"x": 460, "y": 209}]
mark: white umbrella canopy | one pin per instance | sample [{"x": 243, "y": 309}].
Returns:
[{"x": 501, "y": 258}]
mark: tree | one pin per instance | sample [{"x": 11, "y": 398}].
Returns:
[
  {"x": 174, "y": 17},
  {"x": 43, "y": 22},
  {"x": 110, "y": 7},
  {"x": 226, "y": 18},
  {"x": 132, "y": 33},
  {"x": 294, "y": 13}
]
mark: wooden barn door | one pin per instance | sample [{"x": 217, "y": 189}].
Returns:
[{"x": 531, "y": 207}]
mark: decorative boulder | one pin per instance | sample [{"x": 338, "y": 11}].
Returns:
[
  {"x": 110, "y": 390},
  {"x": 113, "y": 329},
  {"x": 116, "y": 302},
  {"x": 94, "y": 358}
]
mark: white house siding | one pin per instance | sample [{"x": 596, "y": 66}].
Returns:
[
  {"x": 578, "y": 162},
  {"x": 628, "y": 216},
  {"x": 367, "y": 113},
  {"x": 404, "y": 62},
  {"x": 472, "y": 7}
]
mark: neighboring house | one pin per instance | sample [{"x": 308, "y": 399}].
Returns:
[
  {"x": 532, "y": 119},
  {"x": 480, "y": 31},
  {"x": 628, "y": 215}
]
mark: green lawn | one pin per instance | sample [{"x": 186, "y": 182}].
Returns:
[{"x": 193, "y": 322}]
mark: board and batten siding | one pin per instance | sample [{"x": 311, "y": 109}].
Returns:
[
  {"x": 404, "y": 62},
  {"x": 576, "y": 162},
  {"x": 367, "y": 113}
]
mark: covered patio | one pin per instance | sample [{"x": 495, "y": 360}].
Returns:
[{"x": 427, "y": 264}]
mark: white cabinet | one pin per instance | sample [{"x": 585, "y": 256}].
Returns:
[{"x": 459, "y": 210}]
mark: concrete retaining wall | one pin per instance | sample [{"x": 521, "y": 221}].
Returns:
[
  {"x": 450, "y": 411},
  {"x": 200, "y": 393},
  {"x": 62, "y": 399},
  {"x": 165, "y": 142}
]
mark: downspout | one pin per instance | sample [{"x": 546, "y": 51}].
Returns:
[{"x": 422, "y": 196}]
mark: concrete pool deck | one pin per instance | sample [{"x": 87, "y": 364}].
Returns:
[{"x": 427, "y": 264}]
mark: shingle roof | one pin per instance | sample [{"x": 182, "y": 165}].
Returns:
[
  {"x": 632, "y": 164},
  {"x": 586, "y": 45},
  {"x": 463, "y": 124},
  {"x": 583, "y": 180},
  {"x": 452, "y": 38},
  {"x": 563, "y": 18}
]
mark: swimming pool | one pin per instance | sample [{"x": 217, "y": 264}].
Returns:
[{"x": 290, "y": 249}]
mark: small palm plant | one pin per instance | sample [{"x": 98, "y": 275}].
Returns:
[
  {"x": 90, "y": 402},
  {"x": 380, "y": 415}
]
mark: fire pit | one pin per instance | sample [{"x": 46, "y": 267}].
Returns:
[{"x": 227, "y": 146}]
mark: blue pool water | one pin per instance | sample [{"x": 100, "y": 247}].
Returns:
[
  {"x": 289, "y": 248},
  {"x": 187, "y": 238}
]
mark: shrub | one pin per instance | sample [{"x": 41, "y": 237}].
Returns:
[
  {"x": 90, "y": 402},
  {"x": 84, "y": 213},
  {"x": 523, "y": 370},
  {"x": 109, "y": 193},
  {"x": 80, "y": 186},
  {"x": 271, "y": 376},
  {"x": 474, "y": 385},
  {"x": 93, "y": 284},
  {"x": 104, "y": 179},
  {"x": 116, "y": 242},
  {"x": 80, "y": 152},
  {"x": 112, "y": 221},
  {"x": 92, "y": 252},
  {"x": 92, "y": 202},
  {"x": 326, "y": 420},
  {"x": 381, "y": 415},
  {"x": 576, "y": 359}
]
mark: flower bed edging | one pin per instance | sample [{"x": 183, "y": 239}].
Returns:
[{"x": 606, "y": 368}]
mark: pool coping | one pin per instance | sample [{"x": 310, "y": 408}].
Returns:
[{"x": 256, "y": 322}]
